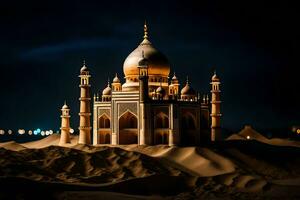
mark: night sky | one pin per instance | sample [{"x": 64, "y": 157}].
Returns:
[{"x": 253, "y": 45}]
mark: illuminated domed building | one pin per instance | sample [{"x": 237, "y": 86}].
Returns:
[{"x": 149, "y": 108}]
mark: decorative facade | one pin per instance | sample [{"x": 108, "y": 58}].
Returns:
[{"x": 149, "y": 108}]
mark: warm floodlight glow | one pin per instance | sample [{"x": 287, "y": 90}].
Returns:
[
  {"x": 2, "y": 132},
  {"x": 10, "y": 132},
  {"x": 30, "y": 132},
  {"x": 298, "y": 131},
  {"x": 248, "y": 137}
]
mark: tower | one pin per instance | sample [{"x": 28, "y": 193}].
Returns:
[
  {"x": 215, "y": 108},
  {"x": 116, "y": 85},
  {"x": 85, "y": 106},
  {"x": 174, "y": 87},
  {"x": 144, "y": 96},
  {"x": 65, "y": 125}
]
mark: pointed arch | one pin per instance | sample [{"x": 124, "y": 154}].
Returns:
[
  {"x": 104, "y": 121},
  {"x": 188, "y": 121},
  {"x": 161, "y": 120},
  {"x": 128, "y": 125}
]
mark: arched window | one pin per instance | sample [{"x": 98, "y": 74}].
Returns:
[{"x": 104, "y": 121}]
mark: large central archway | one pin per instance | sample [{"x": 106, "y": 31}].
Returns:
[{"x": 128, "y": 128}]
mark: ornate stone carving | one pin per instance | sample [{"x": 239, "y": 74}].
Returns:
[
  {"x": 104, "y": 110},
  {"x": 123, "y": 107}
]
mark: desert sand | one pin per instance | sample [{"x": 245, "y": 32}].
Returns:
[{"x": 237, "y": 168}]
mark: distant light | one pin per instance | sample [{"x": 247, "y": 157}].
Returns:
[
  {"x": 248, "y": 137},
  {"x": 298, "y": 131},
  {"x": 10, "y": 132},
  {"x": 30, "y": 132},
  {"x": 42, "y": 133},
  {"x": 71, "y": 131},
  {"x": 21, "y": 131},
  {"x": 47, "y": 132},
  {"x": 2, "y": 132},
  {"x": 35, "y": 132},
  {"x": 51, "y": 132},
  {"x": 38, "y": 130}
]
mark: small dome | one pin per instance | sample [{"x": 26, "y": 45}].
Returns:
[
  {"x": 83, "y": 69},
  {"x": 188, "y": 90},
  {"x": 215, "y": 78},
  {"x": 116, "y": 79},
  {"x": 65, "y": 106},
  {"x": 174, "y": 79},
  {"x": 107, "y": 90}
]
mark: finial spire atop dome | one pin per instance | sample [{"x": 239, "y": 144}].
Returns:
[
  {"x": 65, "y": 105},
  {"x": 215, "y": 77},
  {"x": 84, "y": 67},
  {"x": 145, "y": 30},
  {"x": 174, "y": 76}
]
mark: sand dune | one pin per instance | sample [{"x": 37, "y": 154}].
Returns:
[
  {"x": 194, "y": 160},
  {"x": 12, "y": 145},
  {"x": 254, "y": 135},
  {"x": 234, "y": 168}
]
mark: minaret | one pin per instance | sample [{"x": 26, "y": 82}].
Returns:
[
  {"x": 144, "y": 97},
  {"x": 215, "y": 108},
  {"x": 85, "y": 107},
  {"x": 65, "y": 125},
  {"x": 174, "y": 87}
]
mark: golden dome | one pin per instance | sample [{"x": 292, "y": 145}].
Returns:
[{"x": 157, "y": 62}]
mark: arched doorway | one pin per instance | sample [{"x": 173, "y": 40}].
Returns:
[
  {"x": 128, "y": 128},
  {"x": 104, "y": 121},
  {"x": 189, "y": 129},
  {"x": 161, "y": 128},
  {"x": 161, "y": 121}
]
